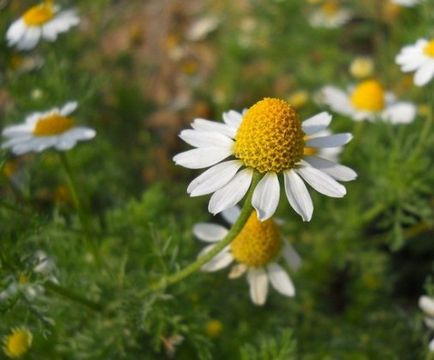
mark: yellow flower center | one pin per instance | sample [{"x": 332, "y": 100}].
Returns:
[
  {"x": 17, "y": 343},
  {"x": 257, "y": 243},
  {"x": 54, "y": 124},
  {"x": 330, "y": 8},
  {"x": 429, "y": 49},
  {"x": 270, "y": 137},
  {"x": 368, "y": 96},
  {"x": 39, "y": 14},
  {"x": 23, "y": 279}
]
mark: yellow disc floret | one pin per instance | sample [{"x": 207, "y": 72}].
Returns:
[
  {"x": 270, "y": 137},
  {"x": 429, "y": 49},
  {"x": 368, "y": 96},
  {"x": 53, "y": 124},
  {"x": 330, "y": 8},
  {"x": 257, "y": 243},
  {"x": 17, "y": 343},
  {"x": 39, "y": 14}
]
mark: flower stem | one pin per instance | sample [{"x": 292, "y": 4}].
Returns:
[
  {"x": 233, "y": 232},
  {"x": 78, "y": 204},
  {"x": 66, "y": 293}
]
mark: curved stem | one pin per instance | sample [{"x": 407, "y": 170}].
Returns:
[{"x": 233, "y": 232}]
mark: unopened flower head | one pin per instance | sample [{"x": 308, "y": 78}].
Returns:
[
  {"x": 362, "y": 67},
  {"x": 42, "y": 130},
  {"x": 17, "y": 343},
  {"x": 418, "y": 58},
  {"x": 256, "y": 250},
  {"x": 269, "y": 139},
  {"x": 368, "y": 100},
  {"x": 330, "y": 15},
  {"x": 42, "y": 21}
]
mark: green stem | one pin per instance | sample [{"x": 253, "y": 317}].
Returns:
[
  {"x": 233, "y": 232},
  {"x": 66, "y": 293}
]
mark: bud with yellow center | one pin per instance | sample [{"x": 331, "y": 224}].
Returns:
[
  {"x": 39, "y": 14},
  {"x": 362, "y": 67},
  {"x": 330, "y": 8},
  {"x": 270, "y": 137},
  {"x": 213, "y": 328},
  {"x": 54, "y": 124},
  {"x": 298, "y": 98},
  {"x": 17, "y": 343},
  {"x": 368, "y": 96},
  {"x": 258, "y": 243},
  {"x": 429, "y": 49}
]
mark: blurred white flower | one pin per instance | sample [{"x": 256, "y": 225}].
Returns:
[
  {"x": 426, "y": 303},
  {"x": 53, "y": 128},
  {"x": 368, "y": 101},
  {"x": 330, "y": 15},
  {"x": 202, "y": 27},
  {"x": 418, "y": 58},
  {"x": 256, "y": 250},
  {"x": 42, "y": 21},
  {"x": 407, "y": 3}
]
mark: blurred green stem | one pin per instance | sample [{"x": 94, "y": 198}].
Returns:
[
  {"x": 78, "y": 204},
  {"x": 233, "y": 232}
]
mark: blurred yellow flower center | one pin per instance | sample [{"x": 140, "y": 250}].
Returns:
[
  {"x": 17, "y": 343},
  {"x": 23, "y": 279},
  {"x": 368, "y": 96},
  {"x": 429, "y": 49},
  {"x": 270, "y": 137},
  {"x": 257, "y": 243},
  {"x": 54, "y": 124},
  {"x": 330, "y": 8},
  {"x": 39, "y": 14}
]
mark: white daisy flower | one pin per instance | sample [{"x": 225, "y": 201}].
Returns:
[
  {"x": 368, "y": 101},
  {"x": 45, "y": 21},
  {"x": 256, "y": 251},
  {"x": 418, "y": 58},
  {"x": 53, "y": 128},
  {"x": 269, "y": 139},
  {"x": 330, "y": 15},
  {"x": 407, "y": 3},
  {"x": 426, "y": 303}
]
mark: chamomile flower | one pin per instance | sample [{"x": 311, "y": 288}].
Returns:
[
  {"x": 42, "y": 130},
  {"x": 17, "y": 343},
  {"x": 426, "y": 303},
  {"x": 269, "y": 139},
  {"x": 406, "y": 3},
  {"x": 368, "y": 101},
  {"x": 330, "y": 15},
  {"x": 42, "y": 21},
  {"x": 419, "y": 58},
  {"x": 256, "y": 250}
]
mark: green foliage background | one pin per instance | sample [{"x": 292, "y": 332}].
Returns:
[{"x": 367, "y": 257}]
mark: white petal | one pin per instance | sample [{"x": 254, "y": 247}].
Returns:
[
  {"x": 400, "y": 113},
  {"x": 206, "y": 125},
  {"x": 202, "y": 157},
  {"x": 65, "y": 143},
  {"x": 17, "y": 130},
  {"x": 29, "y": 39},
  {"x": 266, "y": 196},
  {"x": 336, "y": 171},
  {"x": 231, "y": 214},
  {"x": 258, "y": 282},
  {"x": 15, "y": 141},
  {"x": 209, "y": 232},
  {"x": 329, "y": 141},
  {"x": 298, "y": 195},
  {"x": 220, "y": 261},
  {"x": 280, "y": 280},
  {"x": 214, "y": 178},
  {"x": 15, "y": 32},
  {"x": 322, "y": 182},
  {"x": 81, "y": 133},
  {"x": 291, "y": 256},
  {"x": 424, "y": 74},
  {"x": 426, "y": 303},
  {"x": 237, "y": 271},
  {"x": 198, "y": 138},
  {"x": 232, "y": 193},
  {"x": 68, "y": 108},
  {"x": 232, "y": 118},
  {"x": 316, "y": 123},
  {"x": 337, "y": 99},
  {"x": 431, "y": 345}
]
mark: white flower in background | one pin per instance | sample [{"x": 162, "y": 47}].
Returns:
[
  {"x": 418, "y": 58},
  {"x": 42, "y": 21},
  {"x": 270, "y": 139},
  {"x": 41, "y": 268},
  {"x": 407, "y": 3},
  {"x": 42, "y": 130},
  {"x": 330, "y": 15},
  {"x": 368, "y": 101},
  {"x": 256, "y": 251},
  {"x": 202, "y": 27},
  {"x": 426, "y": 303}
]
